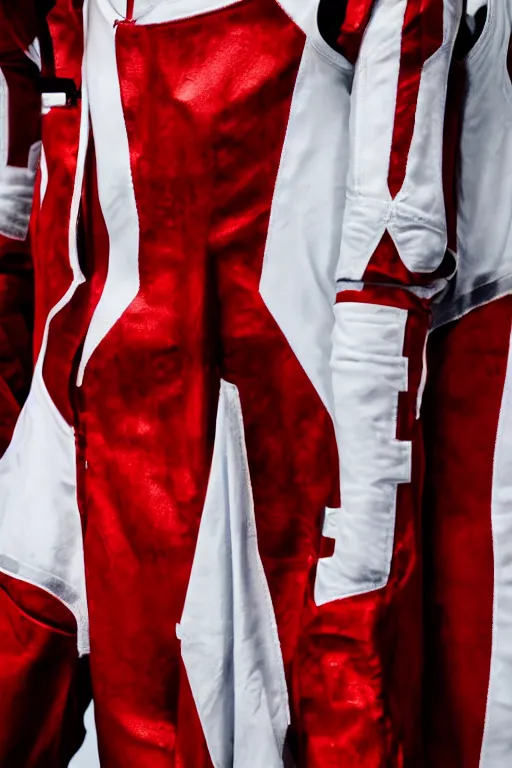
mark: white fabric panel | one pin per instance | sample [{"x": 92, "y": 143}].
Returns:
[
  {"x": 49, "y": 100},
  {"x": 297, "y": 282},
  {"x": 16, "y": 194},
  {"x": 228, "y": 631},
  {"x": 115, "y": 186},
  {"x": 34, "y": 155},
  {"x": 368, "y": 208},
  {"x": 369, "y": 371},
  {"x": 484, "y": 224},
  {"x": 40, "y": 529},
  {"x": 497, "y": 741},
  {"x": 172, "y": 10},
  {"x": 419, "y": 225},
  {"x": 33, "y": 53},
  {"x": 415, "y": 218},
  {"x": 301, "y": 12},
  {"x": 44, "y": 176}
]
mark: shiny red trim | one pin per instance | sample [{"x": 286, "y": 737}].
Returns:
[
  {"x": 388, "y": 296},
  {"x": 422, "y": 36},
  {"x": 467, "y": 364},
  {"x": 353, "y": 28}
]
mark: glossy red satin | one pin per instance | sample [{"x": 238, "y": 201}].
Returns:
[
  {"x": 60, "y": 130},
  {"x": 353, "y": 27},
  {"x": 377, "y": 655},
  {"x": 468, "y": 367},
  {"x": 43, "y": 683},
  {"x": 16, "y": 270},
  {"x": 145, "y": 414},
  {"x": 206, "y": 102},
  {"x": 16, "y": 312}
]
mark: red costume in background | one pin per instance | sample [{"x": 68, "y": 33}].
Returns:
[
  {"x": 468, "y": 418},
  {"x": 175, "y": 463}
]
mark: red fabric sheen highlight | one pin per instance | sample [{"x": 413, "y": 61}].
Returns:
[
  {"x": 422, "y": 36},
  {"x": 366, "y": 651},
  {"x": 353, "y": 28},
  {"x": 44, "y": 686},
  {"x": 468, "y": 362},
  {"x": 198, "y": 314}
]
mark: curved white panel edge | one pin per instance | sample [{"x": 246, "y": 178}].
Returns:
[
  {"x": 115, "y": 186},
  {"x": 297, "y": 281},
  {"x": 229, "y": 640}
]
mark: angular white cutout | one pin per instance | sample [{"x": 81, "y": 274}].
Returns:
[
  {"x": 369, "y": 371},
  {"x": 228, "y": 631}
]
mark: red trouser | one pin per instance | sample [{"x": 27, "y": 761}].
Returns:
[{"x": 466, "y": 514}]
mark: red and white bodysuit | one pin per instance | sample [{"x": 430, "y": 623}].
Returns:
[
  {"x": 175, "y": 464},
  {"x": 468, "y": 415}
]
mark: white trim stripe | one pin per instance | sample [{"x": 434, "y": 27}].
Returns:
[
  {"x": 115, "y": 185},
  {"x": 4, "y": 120},
  {"x": 497, "y": 740},
  {"x": 228, "y": 631}
]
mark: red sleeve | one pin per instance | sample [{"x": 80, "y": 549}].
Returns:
[{"x": 395, "y": 257}]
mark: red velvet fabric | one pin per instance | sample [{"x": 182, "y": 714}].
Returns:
[
  {"x": 367, "y": 649},
  {"x": 60, "y": 131},
  {"x": 44, "y": 686},
  {"x": 205, "y": 148},
  {"x": 206, "y": 108},
  {"x": 16, "y": 271},
  {"x": 16, "y": 319},
  {"x": 468, "y": 362}
]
